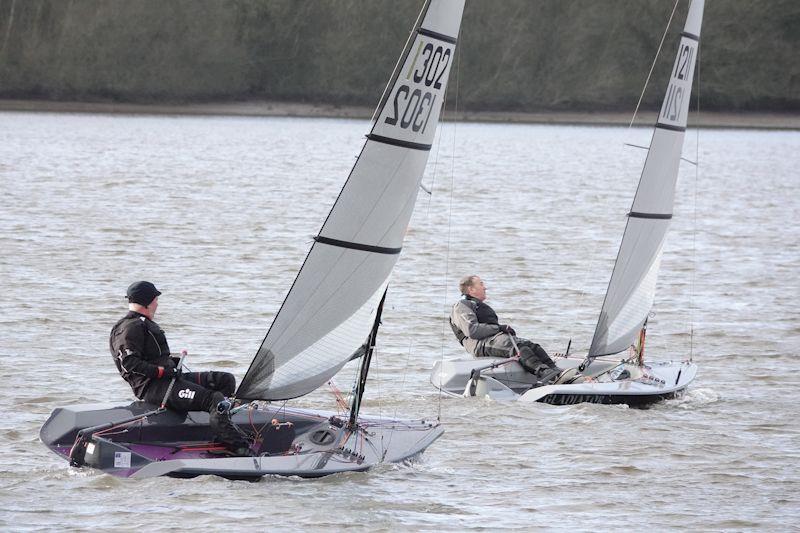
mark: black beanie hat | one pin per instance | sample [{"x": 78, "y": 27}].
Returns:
[{"x": 142, "y": 293}]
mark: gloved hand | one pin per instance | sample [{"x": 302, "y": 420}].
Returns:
[
  {"x": 507, "y": 329},
  {"x": 169, "y": 371}
]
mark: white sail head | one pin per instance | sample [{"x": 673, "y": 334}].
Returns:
[
  {"x": 329, "y": 311},
  {"x": 631, "y": 291}
]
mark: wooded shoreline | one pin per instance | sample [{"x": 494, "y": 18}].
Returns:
[{"x": 536, "y": 59}]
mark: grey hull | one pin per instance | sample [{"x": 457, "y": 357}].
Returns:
[{"x": 288, "y": 442}]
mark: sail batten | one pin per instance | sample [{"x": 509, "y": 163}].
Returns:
[
  {"x": 631, "y": 290},
  {"x": 636, "y": 214},
  {"x": 670, "y": 127},
  {"x": 358, "y": 246},
  {"x": 438, "y": 36},
  {"x": 331, "y": 307},
  {"x": 399, "y": 142}
]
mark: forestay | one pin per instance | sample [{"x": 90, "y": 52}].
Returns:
[
  {"x": 331, "y": 306},
  {"x": 631, "y": 290}
]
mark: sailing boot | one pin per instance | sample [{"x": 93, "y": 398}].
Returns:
[
  {"x": 548, "y": 374},
  {"x": 225, "y": 431},
  {"x": 535, "y": 360}
]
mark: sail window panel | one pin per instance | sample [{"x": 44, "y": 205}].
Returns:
[
  {"x": 320, "y": 361},
  {"x": 656, "y": 192},
  {"x": 333, "y": 286},
  {"x": 623, "y": 331},
  {"x": 375, "y": 205},
  {"x": 631, "y": 291}
]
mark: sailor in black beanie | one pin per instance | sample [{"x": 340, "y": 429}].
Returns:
[{"x": 140, "y": 351}]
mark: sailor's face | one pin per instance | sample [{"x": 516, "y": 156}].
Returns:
[
  {"x": 152, "y": 307},
  {"x": 478, "y": 289}
]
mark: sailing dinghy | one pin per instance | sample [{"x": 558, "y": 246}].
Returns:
[
  {"x": 332, "y": 307},
  {"x": 602, "y": 376}
]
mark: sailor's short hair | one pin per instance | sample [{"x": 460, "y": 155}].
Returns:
[{"x": 466, "y": 282}]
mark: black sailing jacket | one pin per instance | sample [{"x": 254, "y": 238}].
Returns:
[{"x": 139, "y": 347}]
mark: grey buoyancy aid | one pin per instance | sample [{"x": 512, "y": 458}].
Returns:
[
  {"x": 483, "y": 312},
  {"x": 457, "y": 332}
]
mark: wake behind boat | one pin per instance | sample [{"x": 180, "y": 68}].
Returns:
[
  {"x": 614, "y": 370},
  {"x": 331, "y": 312}
]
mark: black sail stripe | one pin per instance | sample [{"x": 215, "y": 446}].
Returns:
[
  {"x": 399, "y": 142},
  {"x": 635, "y": 214},
  {"x": 436, "y": 35},
  {"x": 690, "y": 36},
  {"x": 670, "y": 127},
  {"x": 357, "y": 246}
]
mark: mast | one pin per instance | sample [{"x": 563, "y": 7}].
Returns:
[{"x": 358, "y": 393}]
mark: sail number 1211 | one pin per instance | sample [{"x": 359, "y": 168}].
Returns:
[{"x": 673, "y": 103}]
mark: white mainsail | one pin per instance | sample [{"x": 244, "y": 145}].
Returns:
[
  {"x": 631, "y": 290},
  {"x": 330, "y": 309}
]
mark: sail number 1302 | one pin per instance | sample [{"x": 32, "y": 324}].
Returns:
[{"x": 412, "y": 108}]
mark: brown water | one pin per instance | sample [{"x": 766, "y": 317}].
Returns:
[{"x": 219, "y": 213}]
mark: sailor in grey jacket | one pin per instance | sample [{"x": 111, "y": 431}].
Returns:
[{"x": 477, "y": 328}]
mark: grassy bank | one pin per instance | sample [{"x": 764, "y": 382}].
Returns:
[{"x": 709, "y": 119}]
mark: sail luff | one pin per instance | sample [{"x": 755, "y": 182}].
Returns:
[
  {"x": 631, "y": 290},
  {"x": 332, "y": 303}
]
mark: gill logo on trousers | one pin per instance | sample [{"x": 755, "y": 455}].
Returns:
[{"x": 187, "y": 394}]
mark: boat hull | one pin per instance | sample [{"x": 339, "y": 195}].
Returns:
[
  {"x": 288, "y": 442},
  {"x": 615, "y": 382}
]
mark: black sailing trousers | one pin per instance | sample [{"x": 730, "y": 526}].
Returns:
[{"x": 193, "y": 391}]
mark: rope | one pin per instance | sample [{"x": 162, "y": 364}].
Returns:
[
  {"x": 436, "y": 161},
  {"x": 658, "y": 52},
  {"x": 341, "y": 404},
  {"x": 375, "y": 354},
  {"x": 256, "y": 432},
  {"x": 119, "y": 429},
  {"x": 397, "y": 65},
  {"x": 405, "y": 374},
  {"x": 694, "y": 216},
  {"x": 449, "y": 226},
  {"x": 587, "y": 272}
]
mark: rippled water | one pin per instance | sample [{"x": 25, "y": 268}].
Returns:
[{"x": 219, "y": 213}]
